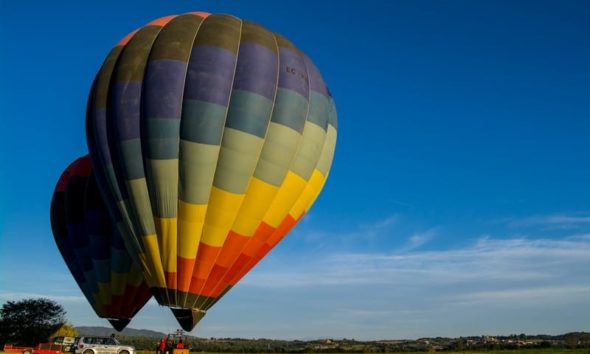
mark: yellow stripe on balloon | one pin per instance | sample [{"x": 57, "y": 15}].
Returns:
[
  {"x": 312, "y": 189},
  {"x": 222, "y": 210},
  {"x": 166, "y": 229},
  {"x": 258, "y": 198},
  {"x": 150, "y": 243},
  {"x": 191, "y": 219},
  {"x": 284, "y": 199}
]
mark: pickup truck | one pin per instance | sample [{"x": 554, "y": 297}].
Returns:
[{"x": 57, "y": 345}]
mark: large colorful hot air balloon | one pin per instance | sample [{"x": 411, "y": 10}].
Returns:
[
  {"x": 211, "y": 137},
  {"x": 93, "y": 249}
]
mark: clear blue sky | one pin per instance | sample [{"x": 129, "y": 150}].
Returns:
[{"x": 459, "y": 199}]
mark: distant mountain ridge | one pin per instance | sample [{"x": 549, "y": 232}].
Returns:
[{"x": 107, "y": 331}]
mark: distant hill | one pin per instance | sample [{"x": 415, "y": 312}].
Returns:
[{"x": 107, "y": 331}]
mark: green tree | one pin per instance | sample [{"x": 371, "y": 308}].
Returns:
[{"x": 29, "y": 321}]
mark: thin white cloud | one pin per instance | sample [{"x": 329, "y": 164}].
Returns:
[
  {"x": 508, "y": 260},
  {"x": 560, "y": 220},
  {"x": 364, "y": 232},
  {"x": 418, "y": 240},
  {"x": 533, "y": 296},
  {"x": 493, "y": 285},
  {"x": 385, "y": 223},
  {"x": 15, "y": 296}
]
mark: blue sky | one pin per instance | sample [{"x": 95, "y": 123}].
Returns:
[{"x": 458, "y": 203}]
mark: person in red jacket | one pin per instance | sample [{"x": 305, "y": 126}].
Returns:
[
  {"x": 162, "y": 345},
  {"x": 180, "y": 345}
]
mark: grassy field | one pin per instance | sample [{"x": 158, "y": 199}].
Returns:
[
  {"x": 511, "y": 351},
  {"x": 515, "y": 351}
]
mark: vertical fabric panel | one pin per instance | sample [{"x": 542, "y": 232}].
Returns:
[
  {"x": 249, "y": 114},
  {"x": 163, "y": 88}
]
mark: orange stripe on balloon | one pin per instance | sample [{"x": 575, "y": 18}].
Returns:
[
  {"x": 215, "y": 277},
  {"x": 162, "y": 21},
  {"x": 196, "y": 285},
  {"x": 281, "y": 231},
  {"x": 236, "y": 267},
  {"x": 234, "y": 243},
  {"x": 205, "y": 261},
  {"x": 127, "y": 38},
  {"x": 235, "y": 246},
  {"x": 200, "y": 13},
  {"x": 185, "y": 272},
  {"x": 257, "y": 241},
  {"x": 263, "y": 232}
]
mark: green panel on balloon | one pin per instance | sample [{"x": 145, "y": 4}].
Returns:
[
  {"x": 165, "y": 174},
  {"x": 290, "y": 109},
  {"x": 279, "y": 146},
  {"x": 309, "y": 150},
  {"x": 197, "y": 170},
  {"x": 202, "y": 122},
  {"x": 140, "y": 203},
  {"x": 162, "y": 139},
  {"x": 253, "y": 112},
  {"x": 132, "y": 166},
  {"x": 237, "y": 160},
  {"x": 319, "y": 109}
]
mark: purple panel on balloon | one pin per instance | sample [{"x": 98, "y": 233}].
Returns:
[
  {"x": 256, "y": 70},
  {"x": 316, "y": 82},
  {"x": 163, "y": 88},
  {"x": 293, "y": 74},
  {"x": 126, "y": 110},
  {"x": 210, "y": 74}
]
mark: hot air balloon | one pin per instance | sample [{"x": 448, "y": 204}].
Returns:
[
  {"x": 93, "y": 248},
  {"x": 211, "y": 137}
]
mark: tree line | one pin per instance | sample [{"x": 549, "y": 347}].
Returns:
[{"x": 32, "y": 321}]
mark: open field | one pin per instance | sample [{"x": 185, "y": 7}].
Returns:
[
  {"x": 512, "y": 351},
  {"x": 507, "y": 351}
]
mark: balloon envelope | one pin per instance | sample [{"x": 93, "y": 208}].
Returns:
[
  {"x": 211, "y": 137},
  {"x": 93, "y": 249}
]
